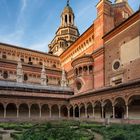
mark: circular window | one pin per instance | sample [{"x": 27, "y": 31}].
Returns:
[
  {"x": 78, "y": 85},
  {"x": 116, "y": 65}
]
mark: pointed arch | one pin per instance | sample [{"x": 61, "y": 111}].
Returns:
[
  {"x": 64, "y": 111},
  {"x": 89, "y": 110}
]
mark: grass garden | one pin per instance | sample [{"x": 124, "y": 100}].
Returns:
[{"x": 71, "y": 130}]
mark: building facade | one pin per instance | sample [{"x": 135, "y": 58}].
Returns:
[{"x": 95, "y": 75}]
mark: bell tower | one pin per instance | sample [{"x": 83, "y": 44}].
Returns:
[
  {"x": 67, "y": 16},
  {"x": 119, "y": 1},
  {"x": 67, "y": 32}
]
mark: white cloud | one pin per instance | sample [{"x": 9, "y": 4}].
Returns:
[
  {"x": 24, "y": 4},
  {"x": 13, "y": 38},
  {"x": 20, "y": 19},
  {"x": 42, "y": 45},
  {"x": 16, "y": 36}
]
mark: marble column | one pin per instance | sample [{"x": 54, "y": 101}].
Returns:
[
  {"x": 59, "y": 107},
  {"x": 4, "y": 111},
  {"x": 17, "y": 112},
  {"x": 113, "y": 107},
  {"x": 127, "y": 112}
]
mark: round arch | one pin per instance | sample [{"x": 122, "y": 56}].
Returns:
[
  {"x": 82, "y": 110},
  {"x": 11, "y": 110},
  {"x": 89, "y": 110},
  {"x": 97, "y": 109},
  {"x": 35, "y": 110},
  {"x": 108, "y": 109},
  {"x": 76, "y": 111},
  {"x": 134, "y": 107},
  {"x": 64, "y": 111},
  {"x": 55, "y": 111},
  {"x": 45, "y": 111},
  {"x": 23, "y": 110},
  {"x": 120, "y": 108},
  {"x": 71, "y": 110},
  {"x": 1, "y": 110}
]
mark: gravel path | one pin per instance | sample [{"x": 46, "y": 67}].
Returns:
[
  {"x": 98, "y": 136},
  {"x": 6, "y": 134}
]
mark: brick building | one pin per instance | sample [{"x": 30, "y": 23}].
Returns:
[{"x": 95, "y": 75}]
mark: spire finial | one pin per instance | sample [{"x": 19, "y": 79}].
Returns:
[{"x": 68, "y": 2}]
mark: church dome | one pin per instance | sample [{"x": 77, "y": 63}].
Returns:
[{"x": 67, "y": 9}]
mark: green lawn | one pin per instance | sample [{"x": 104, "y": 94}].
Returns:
[{"x": 72, "y": 130}]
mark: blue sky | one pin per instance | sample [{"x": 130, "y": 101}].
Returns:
[{"x": 32, "y": 23}]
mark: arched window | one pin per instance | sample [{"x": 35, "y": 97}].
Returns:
[
  {"x": 4, "y": 56},
  {"x": 40, "y": 63},
  {"x": 70, "y": 18},
  {"x": 90, "y": 68},
  {"x": 54, "y": 65},
  {"x": 76, "y": 72},
  {"x": 85, "y": 68},
  {"x": 25, "y": 77},
  {"x": 47, "y": 80},
  {"x": 80, "y": 70},
  {"x": 30, "y": 61},
  {"x": 66, "y": 18},
  {"x": 78, "y": 85},
  {"x": 22, "y": 59},
  {"x": 29, "y": 58},
  {"x": 59, "y": 82},
  {"x": 5, "y": 74}
]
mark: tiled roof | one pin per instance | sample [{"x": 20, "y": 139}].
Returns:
[{"x": 7, "y": 84}]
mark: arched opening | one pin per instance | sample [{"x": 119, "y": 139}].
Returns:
[
  {"x": 76, "y": 72},
  {"x": 55, "y": 111},
  {"x": 119, "y": 108},
  {"x": 35, "y": 111},
  {"x": 85, "y": 68},
  {"x": 23, "y": 110},
  {"x": 70, "y": 18},
  {"x": 54, "y": 65},
  {"x": 4, "y": 56},
  {"x": 80, "y": 71},
  {"x": 78, "y": 85},
  {"x": 5, "y": 74},
  {"x": 90, "y": 68},
  {"x": 71, "y": 111},
  {"x": 25, "y": 77},
  {"x": 45, "y": 111},
  {"x": 108, "y": 109},
  {"x": 1, "y": 110},
  {"x": 11, "y": 111},
  {"x": 98, "y": 110},
  {"x": 76, "y": 111},
  {"x": 66, "y": 18},
  {"x": 134, "y": 107},
  {"x": 82, "y": 111},
  {"x": 64, "y": 111},
  {"x": 89, "y": 110},
  {"x": 40, "y": 63},
  {"x": 30, "y": 61}
]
